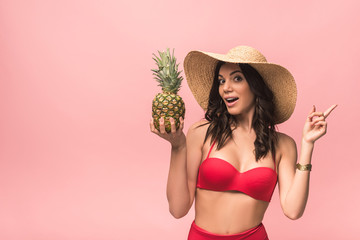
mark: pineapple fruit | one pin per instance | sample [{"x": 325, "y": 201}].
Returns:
[{"x": 167, "y": 104}]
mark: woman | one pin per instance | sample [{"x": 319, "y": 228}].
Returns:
[{"x": 231, "y": 161}]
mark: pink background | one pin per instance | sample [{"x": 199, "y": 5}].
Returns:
[{"x": 77, "y": 159}]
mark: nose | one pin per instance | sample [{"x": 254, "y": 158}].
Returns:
[{"x": 227, "y": 86}]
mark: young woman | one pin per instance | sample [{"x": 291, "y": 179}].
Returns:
[{"x": 231, "y": 161}]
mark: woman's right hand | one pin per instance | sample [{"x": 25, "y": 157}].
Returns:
[{"x": 175, "y": 137}]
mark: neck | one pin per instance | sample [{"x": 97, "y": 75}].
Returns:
[{"x": 244, "y": 120}]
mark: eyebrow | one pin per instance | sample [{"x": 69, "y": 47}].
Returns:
[{"x": 232, "y": 73}]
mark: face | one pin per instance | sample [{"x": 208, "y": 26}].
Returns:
[{"x": 235, "y": 91}]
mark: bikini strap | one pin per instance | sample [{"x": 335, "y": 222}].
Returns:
[{"x": 211, "y": 149}]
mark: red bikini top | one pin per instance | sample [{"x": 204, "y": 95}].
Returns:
[{"x": 219, "y": 175}]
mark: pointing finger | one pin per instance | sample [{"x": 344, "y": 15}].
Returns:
[{"x": 327, "y": 112}]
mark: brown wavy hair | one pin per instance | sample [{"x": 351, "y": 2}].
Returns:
[{"x": 222, "y": 123}]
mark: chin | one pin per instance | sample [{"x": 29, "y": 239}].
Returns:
[{"x": 233, "y": 112}]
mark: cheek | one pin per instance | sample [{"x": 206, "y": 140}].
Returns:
[
  {"x": 249, "y": 97},
  {"x": 221, "y": 92}
]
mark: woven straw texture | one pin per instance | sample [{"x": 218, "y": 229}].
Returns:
[{"x": 200, "y": 66}]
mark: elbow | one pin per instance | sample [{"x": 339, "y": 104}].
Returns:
[
  {"x": 293, "y": 215},
  {"x": 177, "y": 214},
  {"x": 292, "y": 211},
  {"x": 178, "y": 211},
  {"x": 179, "y": 208}
]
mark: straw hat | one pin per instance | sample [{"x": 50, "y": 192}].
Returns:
[{"x": 200, "y": 70}]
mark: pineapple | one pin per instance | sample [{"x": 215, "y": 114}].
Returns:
[{"x": 167, "y": 104}]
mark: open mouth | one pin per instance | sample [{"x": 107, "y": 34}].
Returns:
[{"x": 231, "y": 99}]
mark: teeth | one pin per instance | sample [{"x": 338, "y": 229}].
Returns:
[{"x": 231, "y": 99}]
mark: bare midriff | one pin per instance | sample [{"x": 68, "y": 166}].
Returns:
[{"x": 228, "y": 212}]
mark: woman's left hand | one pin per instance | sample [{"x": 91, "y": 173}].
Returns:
[{"x": 315, "y": 125}]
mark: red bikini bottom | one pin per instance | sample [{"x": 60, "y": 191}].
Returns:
[{"x": 256, "y": 233}]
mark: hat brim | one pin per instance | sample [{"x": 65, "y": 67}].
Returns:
[{"x": 199, "y": 70}]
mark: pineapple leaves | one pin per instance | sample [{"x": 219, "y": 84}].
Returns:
[{"x": 167, "y": 73}]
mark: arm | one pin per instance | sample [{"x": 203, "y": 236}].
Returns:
[
  {"x": 177, "y": 190},
  {"x": 184, "y": 162},
  {"x": 293, "y": 183}
]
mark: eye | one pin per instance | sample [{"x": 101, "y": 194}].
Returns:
[
  {"x": 238, "y": 78},
  {"x": 221, "y": 81}
]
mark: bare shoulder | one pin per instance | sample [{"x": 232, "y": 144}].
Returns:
[
  {"x": 198, "y": 129},
  {"x": 284, "y": 139},
  {"x": 196, "y": 135},
  {"x": 286, "y": 144},
  {"x": 195, "y": 143}
]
